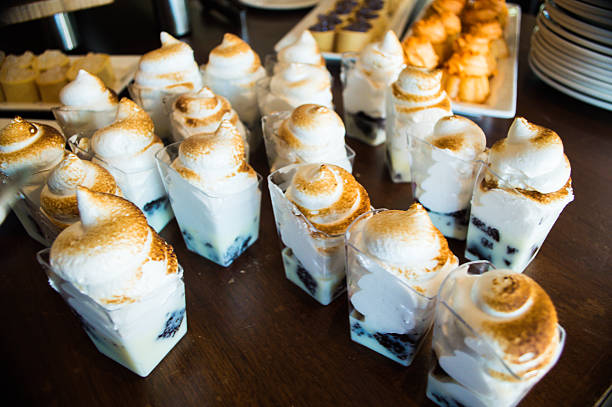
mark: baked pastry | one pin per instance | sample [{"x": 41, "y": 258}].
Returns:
[
  {"x": 344, "y": 9},
  {"x": 420, "y": 52},
  {"x": 324, "y": 31},
  {"x": 492, "y": 30},
  {"x": 127, "y": 148},
  {"x": 354, "y": 35},
  {"x": 365, "y": 82},
  {"x": 121, "y": 279},
  {"x": 58, "y": 197},
  {"x": 313, "y": 205},
  {"x": 96, "y": 64},
  {"x": 310, "y": 134},
  {"x": 51, "y": 58},
  {"x": 210, "y": 183},
  {"x": 467, "y": 77},
  {"x": 527, "y": 180},
  {"x": 18, "y": 78},
  {"x": 453, "y": 6},
  {"x": 50, "y": 82},
  {"x": 480, "y": 11},
  {"x": 232, "y": 70},
  {"x": 434, "y": 30},
  {"x": 396, "y": 261}
]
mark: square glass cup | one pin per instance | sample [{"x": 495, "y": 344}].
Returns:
[
  {"x": 75, "y": 120},
  {"x": 443, "y": 184},
  {"x": 218, "y": 228},
  {"x": 313, "y": 260},
  {"x": 141, "y": 186},
  {"x": 365, "y": 128},
  {"x": 137, "y": 335},
  {"x": 276, "y": 150},
  {"x": 465, "y": 369},
  {"x": 386, "y": 314},
  {"x": 506, "y": 226},
  {"x": 399, "y": 151}
]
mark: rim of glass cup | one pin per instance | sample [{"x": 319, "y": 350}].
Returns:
[
  {"x": 43, "y": 258},
  {"x": 426, "y": 143},
  {"x": 268, "y": 129},
  {"x": 67, "y": 108},
  {"x": 489, "y": 348},
  {"x": 348, "y": 243},
  {"x": 296, "y": 211},
  {"x": 90, "y": 155},
  {"x": 160, "y": 159}
]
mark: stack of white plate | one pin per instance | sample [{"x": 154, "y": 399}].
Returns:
[{"x": 571, "y": 49}]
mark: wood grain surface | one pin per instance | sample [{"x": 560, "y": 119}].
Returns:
[{"x": 256, "y": 339}]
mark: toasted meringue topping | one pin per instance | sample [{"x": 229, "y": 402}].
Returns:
[
  {"x": 215, "y": 163},
  {"x": 417, "y": 90},
  {"x": 88, "y": 91},
  {"x": 408, "y": 242},
  {"x": 304, "y": 50},
  {"x": 171, "y": 67},
  {"x": 383, "y": 61},
  {"x": 202, "y": 111},
  {"x": 29, "y": 145},
  {"x": 531, "y": 157},
  {"x": 328, "y": 196},
  {"x": 459, "y": 136},
  {"x": 233, "y": 58},
  {"x": 300, "y": 83},
  {"x": 58, "y": 197},
  {"x": 112, "y": 255}
]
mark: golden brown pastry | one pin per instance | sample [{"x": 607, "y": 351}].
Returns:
[
  {"x": 453, "y": 6},
  {"x": 420, "y": 52},
  {"x": 467, "y": 77},
  {"x": 433, "y": 29},
  {"x": 493, "y": 31},
  {"x": 18, "y": 78}
]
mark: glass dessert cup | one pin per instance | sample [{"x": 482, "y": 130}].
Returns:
[
  {"x": 386, "y": 314},
  {"x": 443, "y": 184},
  {"x": 399, "y": 154},
  {"x": 74, "y": 120},
  {"x": 10, "y": 190},
  {"x": 465, "y": 369},
  {"x": 137, "y": 335},
  {"x": 313, "y": 260},
  {"x": 26, "y": 205},
  {"x": 359, "y": 125},
  {"x": 506, "y": 226},
  {"x": 218, "y": 228},
  {"x": 277, "y": 158},
  {"x": 142, "y": 186}
]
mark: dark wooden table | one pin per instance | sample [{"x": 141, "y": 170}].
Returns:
[{"x": 256, "y": 339}]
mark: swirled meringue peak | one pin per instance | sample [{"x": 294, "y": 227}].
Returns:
[
  {"x": 112, "y": 255},
  {"x": 328, "y": 195},
  {"x": 233, "y": 59},
  {"x": 171, "y": 68},
  {"x": 215, "y": 163},
  {"x": 87, "y": 91},
  {"x": 531, "y": 157},
  {"x": 28, "y": 145},
  {"x": 304, "y": 50},
  {"x": 297, "y": 84},
  {"x": 202, "y": 112},
  {"x": 58, "y": 197},
  {"x": 315, "y": 133},
  {"x": 129, "y": 142},
  {"x": 514, "y": 314},
  {"x": 410, "y": 246},
  {"x": 459, "y": 137},
  {"x": 382, "y": 61}
]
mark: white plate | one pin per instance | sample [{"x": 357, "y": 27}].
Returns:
[
  {"x": 502, "y": 100},
  {"x": 396, "y": 23},
  {"x": 577, "y": 65},
  {"x": 596, "y": 87},
  {"x": 561, "y": 88},
  {"x": 279, "y": 4},
  {"x": 544, "y": 18},
  {"x": 587, "y": 30},
  {"x": 589, "y": 12},
  {"x": 124, "y": 67}
]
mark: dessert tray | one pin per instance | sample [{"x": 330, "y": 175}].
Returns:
[
  {"x": 397, "y": 22},
  {"x": 279, "y": 4},
  {"x": 124, "y": 67},
  {"x": 502, "y": 100}
]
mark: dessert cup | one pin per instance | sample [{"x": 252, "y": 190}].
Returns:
[
  {"x": 507, "y": 225},
  {"x": 370, "y": 130},
  {"x": 443, "y": 184},
  {"x": 313, "y": 260},
  {"x": 142, "y": 186},
  {"x": 27, "y": 207},
  {"x": 76, "y": 120},
  {"x": 216, "y": 233},
  {"x": 278, "y": 157},
  {"x": 466, "y": 368},
  {"x": 137, "y": 335},
  {"x": 398, "y": 316}
]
